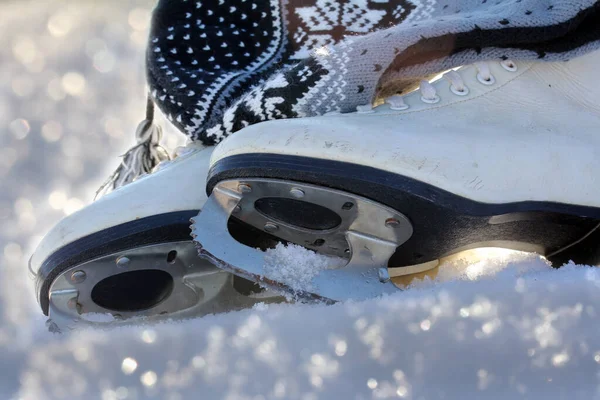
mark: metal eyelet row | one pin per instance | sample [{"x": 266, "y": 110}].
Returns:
[{"x": 396, "y": 102}]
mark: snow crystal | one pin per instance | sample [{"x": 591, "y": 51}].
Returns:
[{"x": 296, "y": 266}]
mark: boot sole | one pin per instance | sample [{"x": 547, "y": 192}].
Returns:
[{"x": 443, "y": 223}]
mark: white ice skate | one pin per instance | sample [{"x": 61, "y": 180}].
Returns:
[
  {"x": 501, "y": 154},
  {"x": 130, "y": 254}
]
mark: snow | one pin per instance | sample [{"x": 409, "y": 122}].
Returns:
[
  {"x": 523, "y": 331},
  {"x": 296, "y": 266},
  {"x": 98, "y": 317},
  {"x": 497, "y": 326},
  {"x": 485, "y": 263}
]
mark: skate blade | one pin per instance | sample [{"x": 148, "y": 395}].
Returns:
[
  {"x": 404, "y": 279},
  {"x": 144, "y": 285},
  {"x": 365, "y": 233}
]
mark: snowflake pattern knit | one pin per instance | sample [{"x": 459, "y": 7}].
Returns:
[{"x": 217, "y": 66}]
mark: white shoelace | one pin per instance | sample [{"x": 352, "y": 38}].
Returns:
[
  {"x": 484, "y": 75},
  {"x": 429, "y": 93}
]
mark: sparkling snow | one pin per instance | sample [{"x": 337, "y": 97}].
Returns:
[
  {"x": 71, "y": 95},
  {"x": 524, "y": 330},
  {"x": 98, "y": 317},
  {"x": 296, "y": 266}
]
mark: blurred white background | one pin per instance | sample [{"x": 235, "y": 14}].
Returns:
[{"x": 72, "y": 91}]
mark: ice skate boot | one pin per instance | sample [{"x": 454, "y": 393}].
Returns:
[
  {"x": 130, "y": 254},
  {"x": 497, "y": 154}
]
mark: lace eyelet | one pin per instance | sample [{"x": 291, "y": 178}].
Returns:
[
  {"x": 508, "y": 65},
  {"x": 457, "y": 92},
  {"x": 435, "y": 100},
  {"x": 399, "y": 108},
  {"x": 364, "y": 109},
  {"x": 489, "y": 82},
  {"x": 396, "y": 103}
]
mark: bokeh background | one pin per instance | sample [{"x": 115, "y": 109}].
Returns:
[{"x": 72, "y": 91}]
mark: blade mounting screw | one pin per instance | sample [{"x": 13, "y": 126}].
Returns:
[
  {"x": 72, "y": 303},
  {"x": 297, "y": 193},
  {"x": 271, "y": 227},
  {"x": 78, "y": 276},
  {"x": 244, "y": 188},
  {"x": 392, "y": 223},
  {"x": 123, "y": 262}
]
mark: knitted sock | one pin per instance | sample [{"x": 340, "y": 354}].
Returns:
[
  {"x": 216, "y": 67},
  {"x": 204, "y": 55}
]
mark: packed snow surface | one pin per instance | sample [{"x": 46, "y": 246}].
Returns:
[
  {"x": 71, "y": 95},
  {"x": 515, "y": 329}
]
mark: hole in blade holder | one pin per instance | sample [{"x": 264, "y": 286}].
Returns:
[
  {"x": 298, "y": 213},
  {"x": 245, "y": 286},
  {"x": 250, "y": 236},
  {"x": 171, "y": 256},
  {"x": 133, "y": 291}
]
